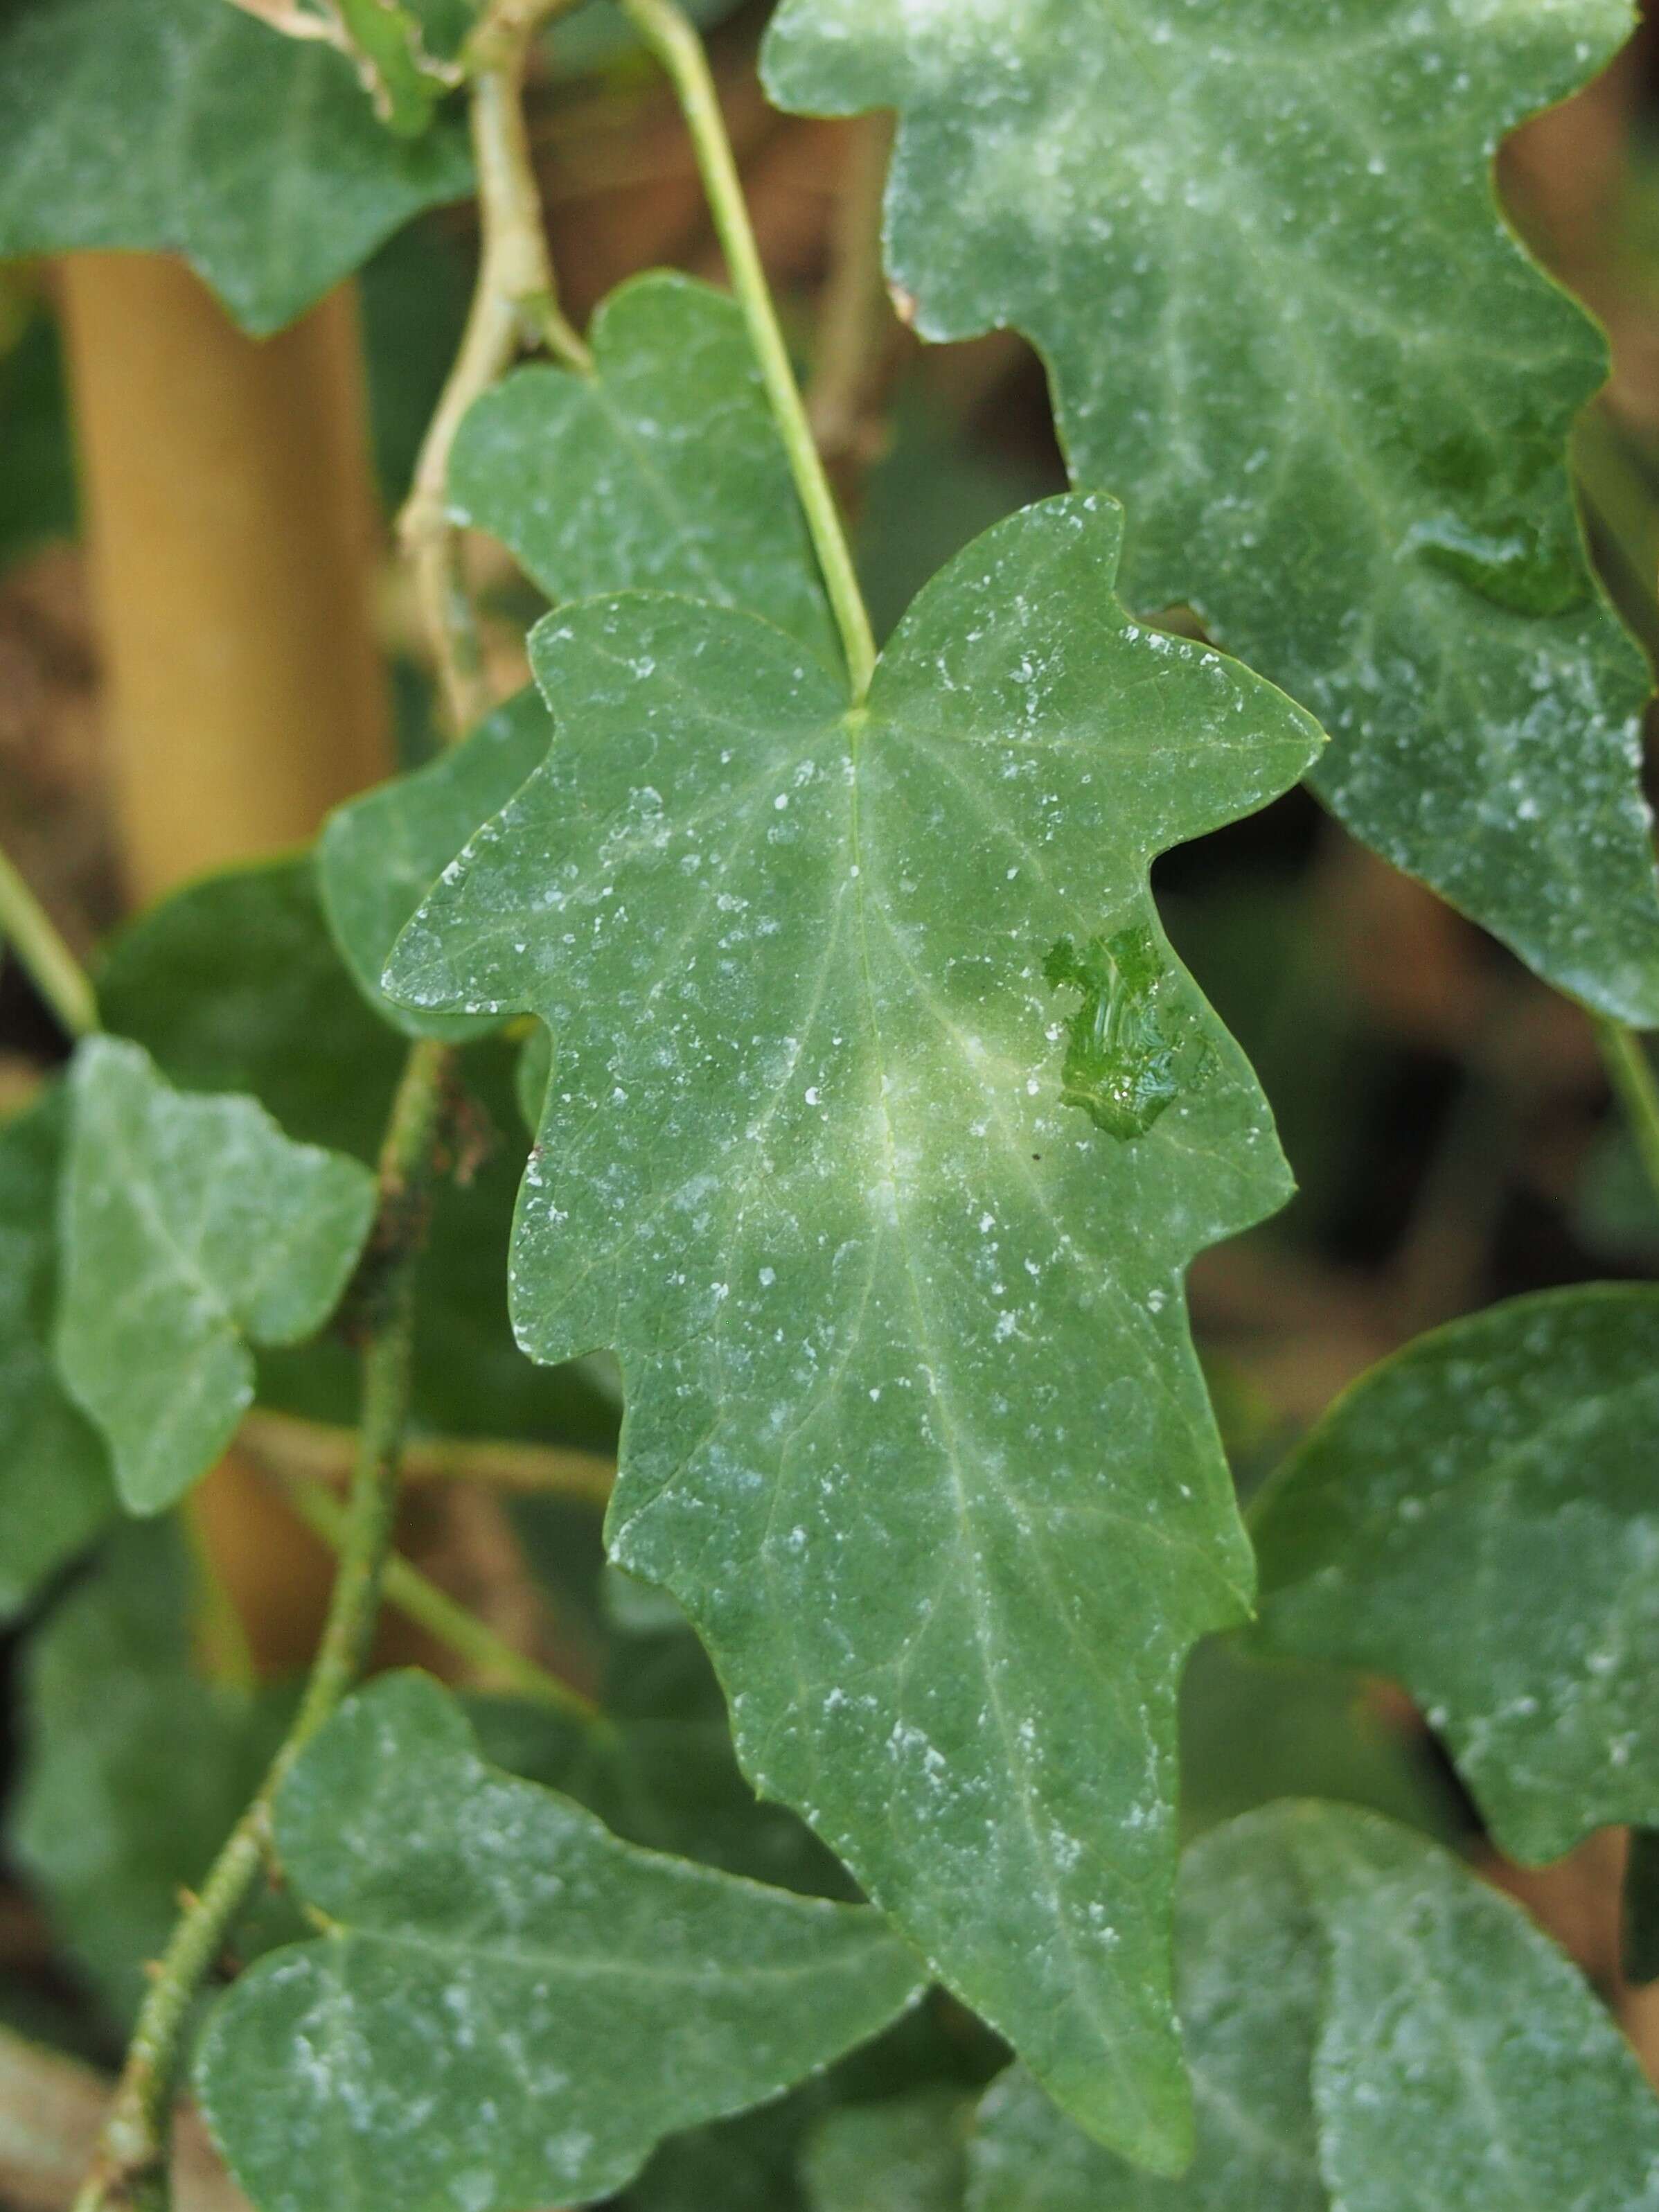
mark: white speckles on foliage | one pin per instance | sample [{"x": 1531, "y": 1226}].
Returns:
[
  {"x": 965, "y": 1477},
  {"x": 1477, "y": 1517},
  {"x": 511, "y": 2006},
  {"x": 1257, "y": 242}
]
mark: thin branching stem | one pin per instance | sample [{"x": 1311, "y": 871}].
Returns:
[
  {"x": 514, "y": 304},
  {"x": 130, "y": 2167},
  {"x": 1631, "y": 1073},
  {"x": 419, "y": 1598},
  {"x": 46, "y": 960},
  {"x": 674, "y": 40},
  {"x": 317, "y": 1452}
]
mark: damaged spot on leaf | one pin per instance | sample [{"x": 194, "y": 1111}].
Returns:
[{"x": 1125, "y": 1059}]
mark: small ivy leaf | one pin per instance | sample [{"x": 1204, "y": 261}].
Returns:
[
  {"x": 191, "y": 1225},
  {"x": 914, "y": 1432},
  {"x": 660, "y": 470},
  {"x": 191, "y": 128},
  {"x": 1368, "y": 2026},
  {"x": 1476, "y": 1518},
  {"x": 906, "y": 2154},
  {"x": 1258, "y": 245},
  {"x": 137, "y": 1766},
  {"x": 56, "y": 1492},
  {"x": 510, "y": 2008}
]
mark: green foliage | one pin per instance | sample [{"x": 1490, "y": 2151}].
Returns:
[
  {"x": 192, "y": 1229},
  {"x": 55, "y": 1488},
  {"x": 661, "y": 469},
  {"x": 876, "y": 1123},
  {"x": 1258, "y": 247},
  {"x": 1477, "y": 1518},
  {"x": 233, "y": 984},
  {"x": 1368, "y": 2026},
  {"x": 908, "y": 2154},
  {"x": 137, "y": 1764},
  {"x": 806, "y": 1166},
  {"x": 494, "y": 1965},
  {"x": 193, "y": 129}
]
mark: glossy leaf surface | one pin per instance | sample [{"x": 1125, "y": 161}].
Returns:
[
  {"x": 1477, "y": 1518},
  {"x": 510, "y": 2006},
  {"x": 192, "y": 129},
  {"x": 55, "y": 1487},
  {"x": 137, "y": 1765},
  {"x": 914, "y": 1429},
  {"x": 1257, "y": 243},
  {"x": 662, "y": 468},
  {"x": 1368, "y": 2027},
  {"x": 192, "y": 1226}
]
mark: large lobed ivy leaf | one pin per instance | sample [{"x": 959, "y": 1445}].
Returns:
[
  {"x": 192, "y": 1227},
  {"x": 882, "y": 1128},
  {"x": 662, "y": 468},
  {"x": 137, "y": 1765},
  {"x": 1368, "y": 2027},
  {"x": 1257, "y": 242},
  {"x": 1477, "y": 1517},
  {"x": 55, "y": 1488},
  {"x": 510, "y": 2006},
  {"x": 190, "y": 128}
]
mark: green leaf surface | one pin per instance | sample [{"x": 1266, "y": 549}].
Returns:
[
  {"x": 1477, "y": 1517},
  {"x": 1370, "y": 2027},
  {"x": 914, "y": 1429},
  {"x": 190, "y": 128},
  {"x": 1640, "y": 1915},
  {"x": 234, "y": 983},
  {"x": 380, "y": 856},
  {"x": 1258, "y": 244},
  {"x": 906, "y": 2155},
  {"x": 191, "y": 1226},
  {"x": 136, "y": 1766},
  {"x": 662, "y": 470},
  {"x": 1252, "y": 1731},
  {"x": 55, "y": 1488},
  {"x": 510, "y": 2006}
]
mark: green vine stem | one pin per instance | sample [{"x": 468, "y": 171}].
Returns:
[
  {"x": 671, "y": 37},
  {"x": 313, "y": 1450},
  {"x": 1631, "y": 1073},
  {"x": 53, "y": 969},
  {"x": 420, "y": 1600},
  {"x": 514, "y": 303},
  {"x": 129, "y": 2165}
]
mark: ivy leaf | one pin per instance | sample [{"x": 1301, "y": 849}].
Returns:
[
  {"x": 192, "y": 129},
  {"x": 191, "y": 1225},
  {"x": 55, "y": 1488},
  {"x": 906, "y": 2154},
  {"x": 137, "y": 1766},
  {"x": 510, "y": 2006},
  {"x": 887, "y": 1225},
  {"x": 1258, "y": 244},
  {"x": 1476, "y": 1518},
  {"x": 661, "y": 469},
  {"x": 380, "y": 856},
  {"x": 1368, "y": 2026}
]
